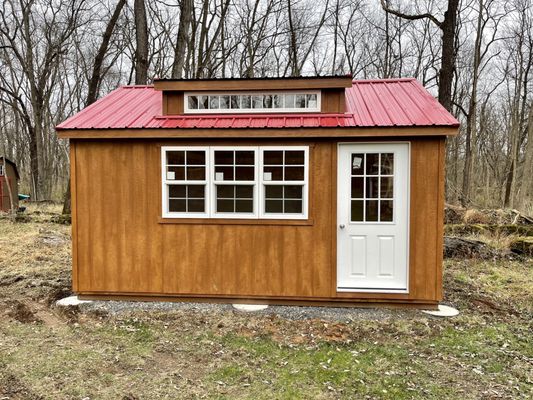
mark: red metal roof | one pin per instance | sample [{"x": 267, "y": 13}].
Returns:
[{"x": 369, "y": 103}]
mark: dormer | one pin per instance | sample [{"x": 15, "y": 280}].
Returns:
[{"x": 254, "y": 96}]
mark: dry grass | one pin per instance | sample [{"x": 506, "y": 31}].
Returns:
[{"x": 485, "y": 353}]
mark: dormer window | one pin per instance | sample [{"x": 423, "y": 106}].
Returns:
[{"x": 253, "y": 102}]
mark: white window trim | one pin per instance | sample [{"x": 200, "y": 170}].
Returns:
[
  {"x": 259, "y": 184},
  {"x": 214, "y": 182},
  {"x": 304, "y": 184},
  {"x": 187, "y": 110},
  {"x": 1, "y": 170},
  {"x": 166, "y": 182}
]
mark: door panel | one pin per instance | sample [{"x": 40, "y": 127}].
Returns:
[{"x": 372, "y": 213}]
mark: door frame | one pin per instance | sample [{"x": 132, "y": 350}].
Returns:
[{"x": 335, "y": 164}]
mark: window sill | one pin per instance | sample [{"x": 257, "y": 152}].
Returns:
[{"x": 226, "y": 221}]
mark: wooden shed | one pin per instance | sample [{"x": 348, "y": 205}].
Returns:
[
  {"x": 9, "y": 185},
  {"x": 316, "y": 190}
]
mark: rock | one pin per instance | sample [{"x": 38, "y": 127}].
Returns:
[
  {"x": 522, "y": 246},
  {"x": 468, "y": 229},
  {"x": 455, "y": 247}
]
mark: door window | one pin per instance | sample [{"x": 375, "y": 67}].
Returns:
[{"x": 372, "y": 187}]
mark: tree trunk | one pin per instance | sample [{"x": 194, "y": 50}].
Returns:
[
  {"x": 448, "y": 55},
  {"x": 183, "y": 38},
  {"x": 471, "y": 118},
  {"x": 66, "y": 200},
  {"x": 141, "y": 37},
  {"x": 94, "y": 81},
  {"x": 528, "y": 162}
]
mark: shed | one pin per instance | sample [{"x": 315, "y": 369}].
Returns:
[
  {"x": 9, "y": 185},
  {"x": 315, "y": 190}
]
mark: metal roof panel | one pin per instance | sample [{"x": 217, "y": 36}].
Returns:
[{"x": 369, "y": 103}]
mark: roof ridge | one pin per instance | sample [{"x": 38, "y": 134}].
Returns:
[{"x": 383, "y": 80}]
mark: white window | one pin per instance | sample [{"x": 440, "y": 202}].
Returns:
[
  {"x": 253, "y": 102},
  {"x": 185, "y": 187},
  {"x": 1, "y": 170},
  {"x": 235, "y": 182},
  {"x": 284, "y": 181}
]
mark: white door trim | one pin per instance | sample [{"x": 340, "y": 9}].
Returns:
[{"x": 407, "y": 227}]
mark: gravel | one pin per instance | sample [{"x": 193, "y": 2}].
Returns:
[{"x": 339, "y": 314}]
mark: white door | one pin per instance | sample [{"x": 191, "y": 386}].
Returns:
[{"x": 372, "y": 217}]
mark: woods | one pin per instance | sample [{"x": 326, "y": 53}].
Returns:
[{"x": 476, "y": 56}]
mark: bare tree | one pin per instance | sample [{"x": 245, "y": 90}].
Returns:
[{"x": 141, "y": 42}]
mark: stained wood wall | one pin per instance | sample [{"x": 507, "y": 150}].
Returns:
[{"x": 121, "y": 245}]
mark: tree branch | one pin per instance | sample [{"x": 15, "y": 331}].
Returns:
[{"x": 411, "y": 17}]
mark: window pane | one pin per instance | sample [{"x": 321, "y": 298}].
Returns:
[
  {"x": 245, "y": 101},
  {"x": 213, "y": 102},
  {"x": 223, "y": 173},
  {"x": 225, "y": 191},
  {"x": 273, "y": 206},
  {"x": 273, "y": 192},
  {"x": 244, "y": 192},
  {"x": 294, "y": 157},
  {"x": 300, "y": 101},
  {"x": 176, "y": 173},
  {"x": 289, "y": 101},
  {"x": 223, "y": 157},
  {"x": 371, "y": 210},
  {"x": 244, "y": 206},
  {"x": 311, "y": 101},
  {"x": 267, "y": 101},
  {"x": 372, "y": 164},
  {"x": 293, "y": 192},
  {"x": 372, "y": 188},
  {"x": 244, "y": 174},
  {"x": 277, "y": 101},
  {"x": 196, "y": 191},
  {"x": 224, "y": 102},
  {"x": 235, "y": 102},
  {"x": 387, "y": 164},
  {"x": 257, "y": 101},
  {"x": 225, "y": 205},
  {"x": 177, "y": 205},
  {"x": 387, "y": 188},
  {"x": 294, "y": 173},
  {"x": 195, "y": 205},
  {"x": 273, "y": 157},
  {"x": 276, "y": 173},
  {"x": 357, "y": 210},
  {"x": 193, "y": 102},
  {"x": 358, "y": 166},
  {"x": 196, "y": 157},
  {"x": 386, "y": 210},
  {"x": 357, "y": 188},
  {"x": 177, "y": 191},
  {"x": 196, "y": 173},
  {"x": 203, "y": 102},
  {"x": 293, "y": 206},
  {"x": 175, "y": 157},
  {"x": 244, "y": 158}
]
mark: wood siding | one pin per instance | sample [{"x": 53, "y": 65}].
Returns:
[{"x": 122, "y": 246}]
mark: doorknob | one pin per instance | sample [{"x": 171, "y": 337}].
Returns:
[{"x": 342, "y": 226}]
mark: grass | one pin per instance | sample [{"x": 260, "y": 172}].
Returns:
[{"x": 486, "y": 352}]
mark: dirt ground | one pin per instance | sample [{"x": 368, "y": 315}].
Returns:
[{"x": 214, "y": 352}]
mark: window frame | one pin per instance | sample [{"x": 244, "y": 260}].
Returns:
[
  {"x": 305, "y": 183},
  {"x": 210, "y": 185},
  {"x": 213, "y": 183},
  {"x": 252, "y": 110},
  {"x": 165, "y": 183}
]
